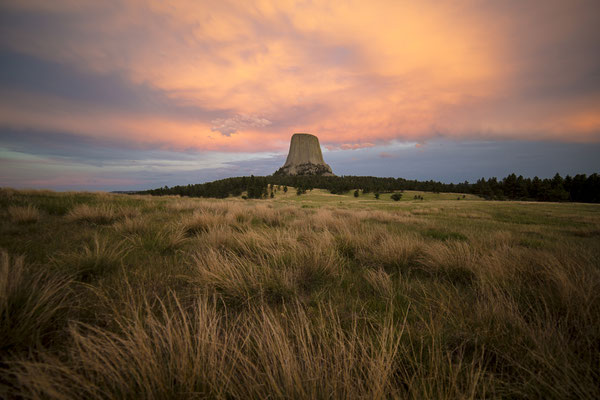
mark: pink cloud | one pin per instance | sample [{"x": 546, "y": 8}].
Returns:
[
  {"x": 354, "y": 146},
  {"x": 348, "y": 146},
  {"x": 327, "y": 69},
  {"x": 229, "y": 126}
]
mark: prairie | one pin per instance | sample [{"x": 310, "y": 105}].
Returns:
[{"x": 107, "y": 296}]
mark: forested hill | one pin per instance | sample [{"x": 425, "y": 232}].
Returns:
[{"x": 580, "y": 188}]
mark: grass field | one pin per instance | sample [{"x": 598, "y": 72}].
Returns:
[{"x": 317, "y": 296}]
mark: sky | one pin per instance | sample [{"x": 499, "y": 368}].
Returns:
[{"x": 133, "y": 94}]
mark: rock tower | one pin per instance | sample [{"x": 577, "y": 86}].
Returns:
[{"x": 304, "y": 157}]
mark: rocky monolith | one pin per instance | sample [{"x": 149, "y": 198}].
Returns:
[{"x": 305, "y": 157}]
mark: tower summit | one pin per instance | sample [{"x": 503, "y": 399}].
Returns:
[{"x": 305, "y": 157}]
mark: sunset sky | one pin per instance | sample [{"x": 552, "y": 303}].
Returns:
[{"x": 116, "y": 95}]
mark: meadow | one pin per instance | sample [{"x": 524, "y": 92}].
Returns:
[{"x": 319, "y": 296}]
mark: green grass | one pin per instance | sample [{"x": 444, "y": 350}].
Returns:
[{"x": 311, "y": 296}]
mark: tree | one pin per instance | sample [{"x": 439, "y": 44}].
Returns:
[
  {"x": 396, "y": 196},
  {"x": 377, "y": 195},
  {"x": 509, "y": 186},
  {"x": 285, "y": 189},
  {"x": 356, "y": 193}
]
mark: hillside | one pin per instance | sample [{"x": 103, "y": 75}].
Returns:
[{"x": 580, "y": 188}]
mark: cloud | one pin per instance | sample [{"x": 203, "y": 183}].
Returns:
[
  {"x": 170, "y": 75},
  {"x": 354, "y": 146},
  {"x": 229, "y": 126},
  {"x": 386, "y": 155},
  {"x": 349, "y": 146}
]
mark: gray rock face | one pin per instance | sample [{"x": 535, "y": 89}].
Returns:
[{"x": 304, "y": 157}]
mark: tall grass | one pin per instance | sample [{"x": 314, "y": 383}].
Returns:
[
  {"x": 23, "y": 214},
  {"x": 229, "y": 299},
  {"x": 202, "y": 352},
  {"x": 33, "y": 304},
  {"x": 95, "y": 259},
  {"x": 101, "y": 214}
]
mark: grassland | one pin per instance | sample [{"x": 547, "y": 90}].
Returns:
[{"x": 320, "y": 296}]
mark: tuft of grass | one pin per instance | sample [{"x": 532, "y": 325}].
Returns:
[
  {"x": 23, "y": 214},
  {"x": 453, "y": 260},
  {"x": 201, "y": 222},
  {"x": 241, "y": 281},
  {"x": 163, "y": 241},
  {"x": 444, "y": 235},
  {"x": 94, "y": 260},
  {"x": 393, "y": 252},
  {"x": 132, "y": 226},
  {"x": 100, "y": 214},
  {"x": 257, "y": 266},
  {"x": 33, "y": 304},
  {"x": 380, "y": 282},
  {"x": 268, "y": 216}
]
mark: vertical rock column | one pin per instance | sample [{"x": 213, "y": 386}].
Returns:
[{"x": 305, "y": 157}]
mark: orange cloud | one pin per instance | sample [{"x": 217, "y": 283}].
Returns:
[{"x": 355, "y": 73}]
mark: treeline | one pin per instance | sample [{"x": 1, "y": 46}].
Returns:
[
  {"x": 368, "y": 184},
  {"x": 256, "y": 187},
  {"x": 580, "y": 188}
]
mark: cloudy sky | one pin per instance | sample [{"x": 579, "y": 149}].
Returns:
[{"x": 133, "y": 94}]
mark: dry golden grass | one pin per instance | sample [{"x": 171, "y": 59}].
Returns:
[
  {"x": 182, "y": 205},
  {"x": 100, "y": 214},
  {"x": 32, "y": 304},
  {"x": 132, "y": 225},
  {"x": 24, "y": 214},
  {"x": 95, "y": 259},
  {"x": 229, "y": 299},
  {"x": 202, "y": 221},
  {"x": 167, "y": 239},
  {"x": 201, "y": 352},
  {"x": 381, "y": 283},
  {"x": 391, "y": 251}
]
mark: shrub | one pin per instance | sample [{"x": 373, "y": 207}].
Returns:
[{"x": 396, "y": 196}]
